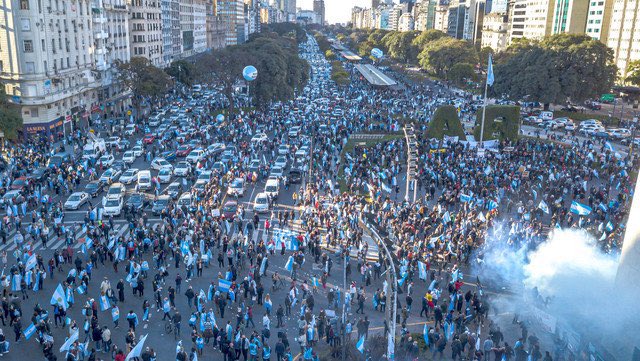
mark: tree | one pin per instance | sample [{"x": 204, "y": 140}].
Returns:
[
  {"x": 10, "y": 119},
  {"x": 143, "y": 79},
  {"x": 400, "y": 45},
  {"x": 329, "y": 55},
  {"x": 557, "y": 69},
  {"x": 427, "y": 37},
  {"x": 633, "y": 73},
  {"x": 221, "y": 67},
  {"x": 440, "y": 55},
  {"x": 461, "y": 72},
  {"x": 182, "y": 71}
]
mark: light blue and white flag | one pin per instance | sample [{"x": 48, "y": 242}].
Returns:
[
  {"x": 104, "y": 303},
  {"x": 490, "y": 76},
  {"x": 465, "y": 198},
  {"x": 425, "y": 334},
  {"x": 608, "y": 147},
  {"x": 422, "y": 270},
  {"x": 224, "y": 285},
  {"x": 263, "y": 266},
  {"x": 580, "y": 209},
  {"x": 115, "y": 313},
  {"x": 67, "y": 344},
  {"x": 491, "y": 205},
  {"x": 360, "y": 344},
  {"x": 289, "y": 265},
  {"x": 29, "y": 331},
  {"x": 447, "y": 217},
  {"x": 59, "y": 298},
  {"x": 543, "y": 206},
  {"x": 602, "y": 207},
  {"x": 137, "y": 351},
  {"x": 609, "y": 226},
  {"x": 31, "y": 262}
]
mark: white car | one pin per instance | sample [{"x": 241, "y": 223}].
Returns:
[
  {"x": 113, "y": 207},
  {"x": 137, "y": 150},
  {"x": 182, "y": 169},
  {"x": 276, "y": 173},
  {"x": 236, "y": 188},
  {"x": 259, "y": 138},
  {"x": 272, "y": 188},
  {"x": 294, "y": 132},
  {"x": 261, "y": 203},
  {"x": 107, "y": 160},
  {"x": 195, "y": 156},
  {"x": 129, "y": 157},
  {"x": 130, "y": 129},
  {"x": 215, "y": 148},
  {"x": 283, "y": 149},
  {"x": 76, "y": 200},
  {"x": 116, "y": 190},
  {"x": 164, "y": 175},
  {"x": 113, "y": 141},
  {"x": 110, "y": 175},
  {"x": 205, "y": 175},
  {"x": 281, "y": 162},
  {"x": 160, "y": 163},
  {"x": 129, "y": 176},
  {"x": 144, "y": 180}
]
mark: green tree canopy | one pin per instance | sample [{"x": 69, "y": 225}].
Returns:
[
  {"x": 633, "y": 73},
  {"x": 182, "y": 71},
  {"x": 461, "y": 72},
  {"x": 10, "y": 119},
  {"x": 400, "y": 45},
  {"x": 440, "y": 55},
  {"x": 426, "y": 37},
  {"x": 143, "y": 78}
]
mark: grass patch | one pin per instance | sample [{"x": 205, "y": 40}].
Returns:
[
  {"x": 350, "y": 146},
  {"x": 507, "y": 125},
  {"x": 578, "y": 117},
  {"x": 445, "y": 121}
]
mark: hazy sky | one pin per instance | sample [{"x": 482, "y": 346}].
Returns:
[{"x": 336, "y": 11}]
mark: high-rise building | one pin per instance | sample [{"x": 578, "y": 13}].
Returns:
[
  {"x": 318, "y": 8},
  {"x": 441, "y": 16},
  {"x": 145, "y": 30},
  {"x": 394, "y": 16},
  {"x": 458, "y": 13},
  {"x": 405, "y": 22},
  {"x": 598, "y": 19},
  {"x": 176, "y": 30},
  {"x": 375, "y": 3},
  {"x": 539, "y": 16},
  {"x": 473, "y": 21},
  {"x": 232, "y": 14},
  {"x": 424, "y": 14},
  {"x": 167, "y": 44},
  {"x": 517, "y": 19},
  {"x": 570, "y": 16},
  {"x": 495, "y": 31},
  {"x": 199, "y": 26},
  {"x": 624, "y": 33}
]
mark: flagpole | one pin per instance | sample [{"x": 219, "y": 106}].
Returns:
[{"x": 484, "y": 110}]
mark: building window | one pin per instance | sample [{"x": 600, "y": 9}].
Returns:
[
  {"x": 28, "y": 46},
  {"x": 34, "y": 112},
  {"x": 30, "y": 67},
  {"x": 24, "y": 4}
]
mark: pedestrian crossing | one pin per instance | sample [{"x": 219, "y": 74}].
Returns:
[{"x": 121, "y": 230}]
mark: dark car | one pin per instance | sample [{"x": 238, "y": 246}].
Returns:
[
  {"x": 169, "y": 155},
  {"x": 93, "y": 188},
  {"x": 138, "y": 201},
  {"x": 119, "y": 165},
  {"x": 174, "y": 190},
  {"x": 229, "y": 209},
  {"x": 160, "y": 203},
  {"x": 295, "y": 176},
  {"x": 603, "y": 135},
  {"x": 39, "y": 174}
]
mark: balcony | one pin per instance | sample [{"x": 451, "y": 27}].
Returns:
[{"x": 100, "y": 35}]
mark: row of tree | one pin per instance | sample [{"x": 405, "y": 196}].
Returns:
[{"x": 555, "y": 69}]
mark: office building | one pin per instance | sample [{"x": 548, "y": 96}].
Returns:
[
  {"x": 232, "y": 14},
  {"x": 599, "y": 19},
  {"x": 539, "y": 16},
  {"x": 318, "y": 8},
  {"x": 624, "y": 33},
  {"x": 145, "y": 30},
  {"x": 495, "y": 31},
  {"x": 569, "y": 16}
]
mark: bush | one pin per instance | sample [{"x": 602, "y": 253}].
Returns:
[
  {"x": 445, "y": 121},
  {"x": 501, "y": 122}
]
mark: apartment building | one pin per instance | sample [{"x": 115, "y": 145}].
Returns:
[
  {"x": 495, "y": 31},
  {"x": 199, "y": 8},
  {"x": 517, "y": 19},
  {"x": 232, "y": 14},
  {"x": 569, "y": 16},
  {"x": 539, "y": 17},
  {"x": 167, "y": 43},
  {"x": 599, "y": 19},
  {"x": 145, "y": 30},
  {"x": 318, "y": 8},
  {"x": 46, "y": 61},
  {"x": 624, "y": 33},
  {"x": 405, "y": 22}
]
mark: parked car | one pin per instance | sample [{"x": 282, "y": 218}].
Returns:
[
  {"x": 160, "y": 163},
  {"x": 236, "y": 188},
  {"x": 162, "y": 202},
  {"x": 144, "y": 180},
  {"x": 138, "y": 201},
  {"x": 93, "y": 188},
  {"x": 148, "y": 138},
  {"x": 164, "y": 175},
  {"x": 107, "y": 160},
  {"x": 113, "y": 207},
  {"x": 110, "y": 175},
  {"x": 129, "y": 176},
  {"x": 182, "y": 169},
  {"x": 261, "y": 203},
  {"x": 173, "y": 190}
]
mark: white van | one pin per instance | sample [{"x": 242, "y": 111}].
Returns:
[
  {"x": 272, "y": 188},
  {"x": 144, "y": 180},
  {"x": 546, "y": 115}
]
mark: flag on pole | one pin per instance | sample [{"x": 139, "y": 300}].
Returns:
[
  {"x": 137, "y": 351},
  {"x": 360, "y": 344},
  {"x": 490, "y": 77}
]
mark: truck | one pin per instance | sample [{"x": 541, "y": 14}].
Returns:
[{"x": 94, "y": 148}]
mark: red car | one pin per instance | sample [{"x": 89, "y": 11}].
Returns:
[
  {"x": 229, "y": 210},
  {"x": 184, "y": 150},
  {"x": 148, "y": 139},
  {"x": 19, "y": 183}
]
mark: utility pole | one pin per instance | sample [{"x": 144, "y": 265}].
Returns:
[{"x": 412, "y": 160}]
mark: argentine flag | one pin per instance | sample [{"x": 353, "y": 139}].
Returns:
[
  {"x": 465, "y": 198},
  {"x": 31, "y": 262},
  {"x": 104, "y": 303},
  {"x": 59, "y": 298},
  {"x": 360, "y": 344},
  {"x": 580, "y": 209},
  {"x": 490, "y": 76},
  {"x": 608, "y": 146},
  {"x": 289, "y": 265},
  {"x": 492, "y": 205},
  {"x": 447, "y": 217},
  {"x": 425, "y": 334},
  {"x": 544, "y": 207},
  {"x": 609, "y": 226},
  {"x": 29, "y": 331},
  {"x": 224, "y": 285},
  {"x": 422, "y": 270}
]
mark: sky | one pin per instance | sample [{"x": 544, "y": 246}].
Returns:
[{"x": 336, "y": 11}]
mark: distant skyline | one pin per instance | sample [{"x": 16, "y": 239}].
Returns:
[{"x": 336, "y": 11}]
